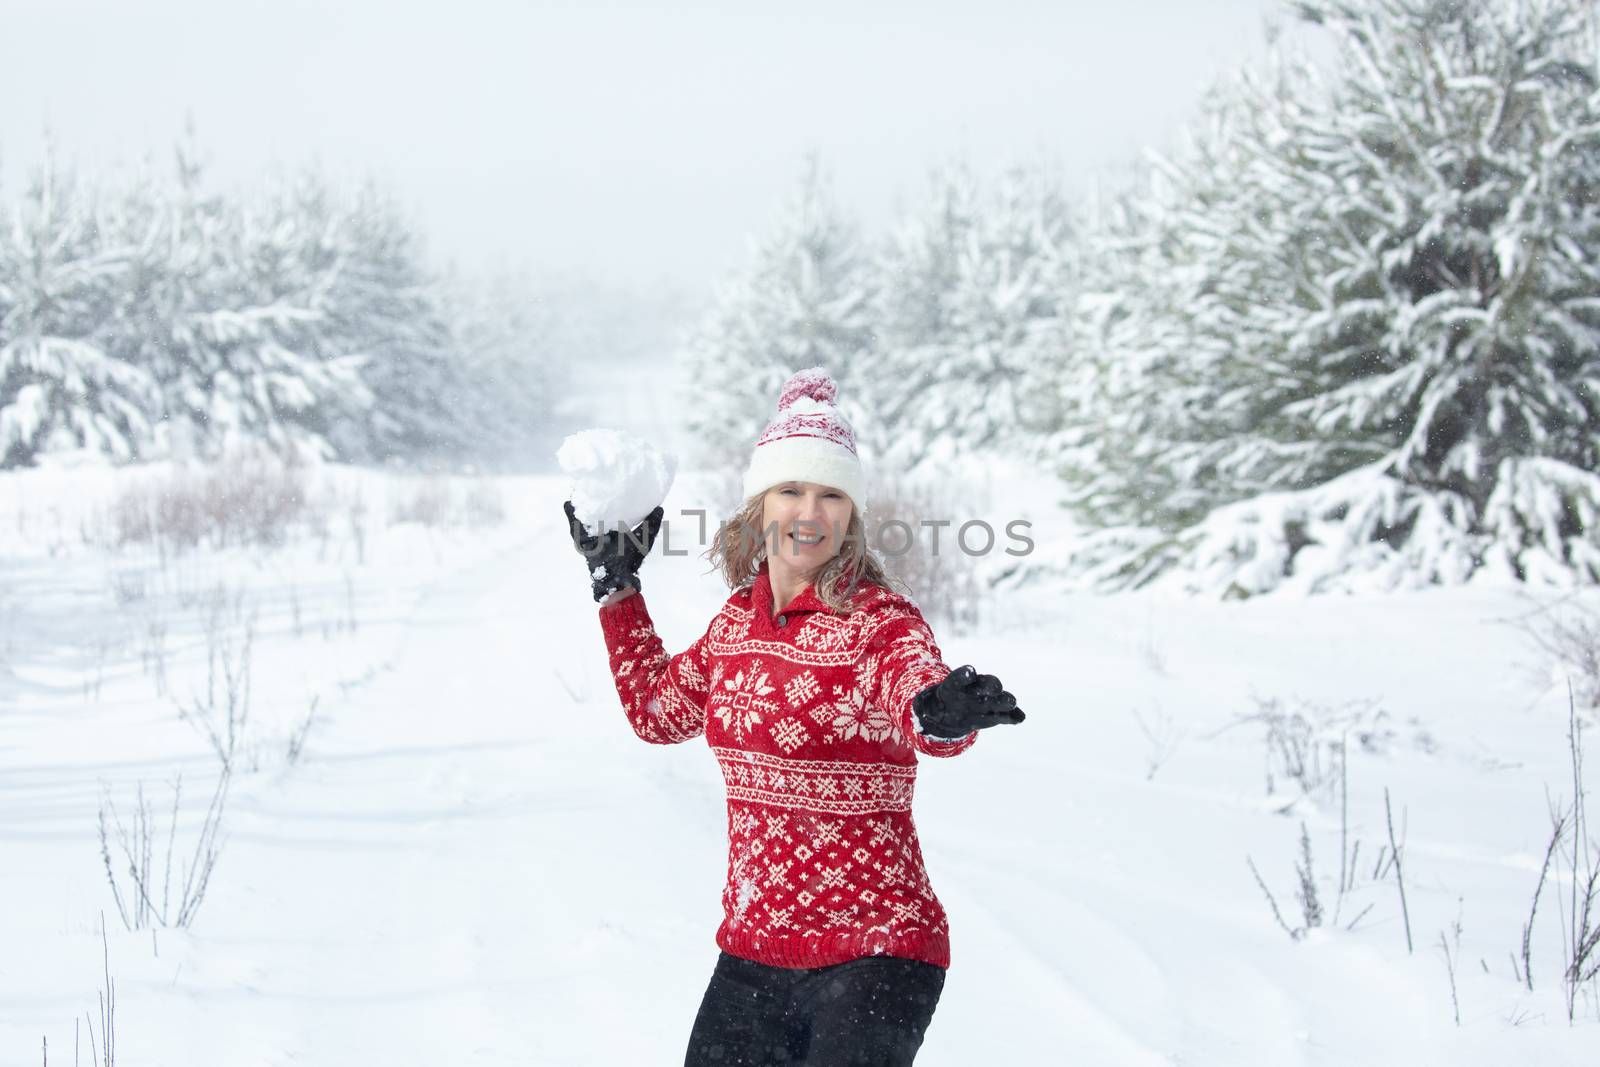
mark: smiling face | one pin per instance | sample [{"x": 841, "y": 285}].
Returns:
[{"x": 810, "y": 521}]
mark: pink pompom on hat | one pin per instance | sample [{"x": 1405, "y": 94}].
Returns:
[{"x": 809, "y": 440}]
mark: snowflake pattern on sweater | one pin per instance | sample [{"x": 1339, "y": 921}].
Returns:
[{"x": 808, "y": 714}]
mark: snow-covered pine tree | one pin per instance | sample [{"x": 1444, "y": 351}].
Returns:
[
  {"x": 1152, "y": 333},
  {"x": 971, "y": 312},
  {"x": 1380, "y": 357},
  {"x": 383, "y": 307},
  {"x": 449, "y": 370},
  {"x": 155, "y": 317},
  {"x": 921, "y": 272},
  {"x": 804, "y": 300},
  {"x": 230, "y": 320},
  {"x": 60, "y": 386}
]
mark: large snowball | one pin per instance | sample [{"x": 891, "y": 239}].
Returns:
[{"x": 617, "y": 478}]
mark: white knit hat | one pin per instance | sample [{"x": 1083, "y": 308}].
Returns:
[{"x": 809, "y": 440}]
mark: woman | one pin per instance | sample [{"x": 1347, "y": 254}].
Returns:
[{"x": 815, "y": 686}]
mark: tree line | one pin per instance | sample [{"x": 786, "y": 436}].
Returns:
[
  {"x": 151, "y": 316},
  {"x": 1347, "y": 335}
]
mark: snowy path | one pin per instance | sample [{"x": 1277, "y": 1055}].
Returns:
[
  {"x": 477, "y": 862},
  {"x": 486, "y": 849}
]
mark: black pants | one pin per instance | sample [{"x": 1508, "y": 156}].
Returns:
[{"x": 869, "y": 1012}]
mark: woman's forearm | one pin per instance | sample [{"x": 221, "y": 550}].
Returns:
[{"x": 663, "y": 696}]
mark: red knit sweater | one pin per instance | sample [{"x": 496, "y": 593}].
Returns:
[{"x": 809, "y": 715}]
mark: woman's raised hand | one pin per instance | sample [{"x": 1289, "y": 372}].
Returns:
[{"x": 613, "y": 556}]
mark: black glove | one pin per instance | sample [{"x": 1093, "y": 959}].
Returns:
[
  {"x": 964, "y": 702},
  {"x": 613, "y": 555}
]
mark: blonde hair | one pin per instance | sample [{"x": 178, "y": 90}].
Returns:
[{"x": 739, "y": 547}]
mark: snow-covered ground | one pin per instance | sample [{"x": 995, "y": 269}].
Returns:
[{"x": 473, "y": 860}]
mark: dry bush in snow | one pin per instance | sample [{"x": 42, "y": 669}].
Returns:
[
  {"x": 1306, "y": 743},
  {"x": 222, "y": 712},
  {"x": 438, "y": 502},
  {"x": 1573, "y": 856},
  {"x": 247, "y": 499},
  {"x": 1567, "y": 633},
  {"x": 141, "y": 877}
]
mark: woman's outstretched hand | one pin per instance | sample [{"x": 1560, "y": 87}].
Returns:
[
  {"x": 964, "y": 702},
  {"x": 613, "y": 555}
]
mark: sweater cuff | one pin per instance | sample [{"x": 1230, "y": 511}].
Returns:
[
  {"x": 947, "y": 740},
  {"x": 626, "y": 615},
  {"x": 920, "y": 676}
]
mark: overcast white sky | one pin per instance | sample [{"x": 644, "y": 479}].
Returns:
[{"x": 628, "y": 141}]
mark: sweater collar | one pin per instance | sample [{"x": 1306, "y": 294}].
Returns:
[{"x": 761, "y": 597}]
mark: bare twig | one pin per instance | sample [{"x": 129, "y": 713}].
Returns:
[
  {"x": 1450, "y": 966},
  {"x": 1164, "y": 738},
  {"x": 1558, "y": 831},
  {"x": 297, "y": 739},
  {"x": 108, "y": 1019},
  {"x": 1271, "y": 900},
  {"x": 1585, "y": 963},
  {"x": 206, "y": 851},
  {"x": 1576, "y": 751},
  {"x": 223, "y": 714},
  {"x": 1344, "y": 814},
  {"x": 108, "y": 1010},
  {"x": 105, "y": 856},
  {"x": 1583, "y": 953},
  {"x": 1399, "y": 873},
  {"x": 1310, "y": 904}
]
